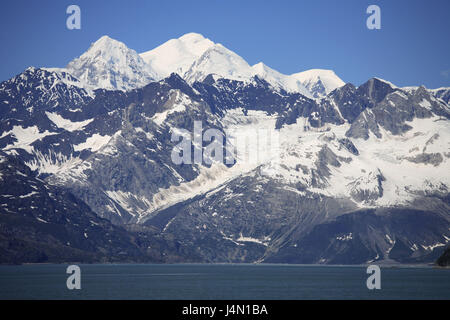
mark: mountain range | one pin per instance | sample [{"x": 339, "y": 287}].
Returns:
[
  {"x": 109, "y": 64},
  {"x": 360, "y": 173}
]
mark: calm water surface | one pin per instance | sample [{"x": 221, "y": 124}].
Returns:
[{"x": 230, "y": 281}]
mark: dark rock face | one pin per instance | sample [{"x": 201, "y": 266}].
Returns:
[
  {"x": 394, "y": 111},
  {"x": 352, "y": 101},
  {"x": 367, "y": 236},
  {"x": 317, "y": 89},
  {"x": 432, "y": 158},
  {"x": 348, "y": 144},
  {"x": 244, "y": 220},
  {"x": 444, "y": 259},
  {"x": 279, "y": 226},
  {"x": 42, "y": 223},
  {"x": 226, "y": 94},
  {"x": 375, "y": 90},
  {"x": 35, "y": 91}
]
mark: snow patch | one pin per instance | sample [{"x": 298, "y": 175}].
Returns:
[
  {"x": 66, "y": 124},
  {"x": 94, "y": 143},
  {"x": 25, "y": 137}
]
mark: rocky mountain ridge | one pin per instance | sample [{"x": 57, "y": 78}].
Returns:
[{"x": 358, "y": 174}]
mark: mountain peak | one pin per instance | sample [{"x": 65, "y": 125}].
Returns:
[
  {"x": 393, "y": 86},
  {"x": 260, "y": 67},
  {"x": 110, "y": 64},
  {"x": 319, "y": 82},
  {"x": 221, "y": 61},
  {"x": 31, "y": 69},
  {"x": 105, "y": 38},
  {"x": 176, "y": 55},
  {"x": 192, "y": 37},
  {"x": 279, "y": 80},
  {"x": 194, "y": 57},
  {"x": 104, "y": 45},
  {"x": 378, "y": 82},
  {"x": 319, "y": 74}
]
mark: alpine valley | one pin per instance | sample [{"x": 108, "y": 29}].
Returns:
[{"x": 360, "y": 175}]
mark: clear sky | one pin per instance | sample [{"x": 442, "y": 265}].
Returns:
[{"x": 412, "y": 47}]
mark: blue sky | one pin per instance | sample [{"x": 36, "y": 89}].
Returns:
[{"x": 411, "y": 48}]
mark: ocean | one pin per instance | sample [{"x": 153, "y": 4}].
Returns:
[{"x": 221, "y": 281}]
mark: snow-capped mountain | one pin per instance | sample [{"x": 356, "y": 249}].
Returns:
[
  {"x": 194, "y": 58},
  {"x": 176, "y": 55},
  {"x": 319, "y": 82},
  {"x": 110, "y": 64},
  {"x": 220, "y": 62},
  {"x": 358, "y": 175},
  {"x": 279, "y": 80},
  {"x": 35, "y": 91}
]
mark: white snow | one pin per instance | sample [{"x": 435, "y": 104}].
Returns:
[
  {"x": 300, "y": 147},
  {"x": 425, "y": 104},
  {"x": 385, "y": 156},
  {"x": 110, "y": 64},
  {"x": 176, "y": 55},
  {"x": 194, "y": 57},
  {"x": 25, "y": 137},
  {"x": 388, "y": 154},
  {"x": 345, "y": 237},
  {"x": 28, "y": 195},
  {"x": 220, "y": 61},
  {"x": 132, "y": 203},
  {"x": 279, "y": 80},
  {"x": 41, "y": 220},
  {"x": 389, "y": 239},
  {"x": 433, "y": 246},
  {"x": 66, "y": 124},
  {"x": 310, "y": 78},
  {"x": 250, "y": 239},
  {"x": 94, "y": 143},
  {"x": 52, "y": 162}
]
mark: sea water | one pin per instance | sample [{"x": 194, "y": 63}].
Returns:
[{"x": 221, "y": 281}]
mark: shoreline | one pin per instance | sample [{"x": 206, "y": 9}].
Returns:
[{"x": 382, "y": 265}]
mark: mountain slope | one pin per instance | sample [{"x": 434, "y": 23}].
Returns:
[
  {"x": 42, "y": 223},
  {"x": 278, "y": 80},
  {"x": 444, "y": 259}
]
